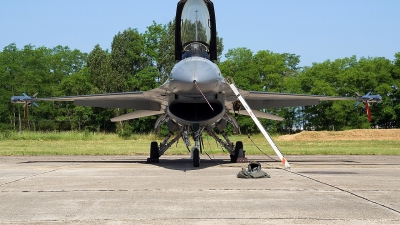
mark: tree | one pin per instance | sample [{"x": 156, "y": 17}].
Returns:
[
  {"x": 345, "y": 77},
  {"x": 99, "y": 70},
  {"x": 264, "y": 71},
  {"x": 69, "y": 116},
  {"x": 11, "y": 77},
  {"x": 35, "y": 70},
  {"x": 140, "y": 62},
  {"x": 127, "y": 58}
]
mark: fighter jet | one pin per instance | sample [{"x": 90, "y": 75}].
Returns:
[{"x": 196, "y": 98}]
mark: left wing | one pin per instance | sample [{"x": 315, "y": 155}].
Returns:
[{"x": 264, "y": 100}]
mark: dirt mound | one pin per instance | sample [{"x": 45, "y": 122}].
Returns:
[{"x": 359, "y": 134}]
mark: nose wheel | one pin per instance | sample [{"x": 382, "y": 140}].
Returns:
[{"x": 196, "y": 157}]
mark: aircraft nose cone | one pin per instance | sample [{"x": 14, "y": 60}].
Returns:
[{"x": 195, "y": 69}]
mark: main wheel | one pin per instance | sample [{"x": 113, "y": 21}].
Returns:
[
  {"x": 154, "y": 155},
  {"x": 239, "y": 153},
  {"x": 196, "y": 157},
  {"x": 239, "y": 150}
]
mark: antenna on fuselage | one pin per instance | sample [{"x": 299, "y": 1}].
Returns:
[{"x": 195, "y": 82}]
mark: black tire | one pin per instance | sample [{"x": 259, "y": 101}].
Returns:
[
  {"x": 196, "y": 157},
  {"x": 238, "y": 152},
  {"x": 233, "y": 159},
  {"x": 154, "y": 150}
]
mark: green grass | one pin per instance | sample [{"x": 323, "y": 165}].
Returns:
[
  {"x": 352, "y": 147},
  {"x": 75, "y": 143}
]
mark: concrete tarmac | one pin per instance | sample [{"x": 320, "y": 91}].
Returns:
[{"x": 125, "y": 190}]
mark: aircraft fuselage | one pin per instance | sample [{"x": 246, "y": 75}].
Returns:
[
  {"x": 192, "y": 70},
  {"x": 190, "y": 79}
]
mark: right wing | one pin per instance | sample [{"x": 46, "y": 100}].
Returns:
[
  {"x": 145, "y": 103},
  {"x": 136, "y": 114},
  {"x": 154, "y": 100}
]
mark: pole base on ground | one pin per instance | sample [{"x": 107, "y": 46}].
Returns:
[{"x": 242, "y": 160}]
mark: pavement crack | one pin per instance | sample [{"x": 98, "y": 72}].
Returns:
[
  {"x": 344, "y": 190},
  {"x": 35, "y": 175}
]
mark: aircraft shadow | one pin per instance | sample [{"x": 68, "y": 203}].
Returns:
[
  {"x": 184, "y": 163},
  {"x": 180, "y": 164}
]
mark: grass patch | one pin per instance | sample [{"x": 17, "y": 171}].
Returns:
[
  {"x": 86, "y": 143},
  {"x": 374, "y": 147}
]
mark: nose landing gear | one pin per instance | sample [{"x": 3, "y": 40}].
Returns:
[{"x": 196, "y": 157}]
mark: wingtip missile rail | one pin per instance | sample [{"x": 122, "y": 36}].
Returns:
[
  {"x": 366, "y": 100},
  {"x": 25, "y": 99},
  {"x": 369, "y": 98}
]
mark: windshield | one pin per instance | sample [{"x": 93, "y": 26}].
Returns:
[{"x": 195, "y": 22}]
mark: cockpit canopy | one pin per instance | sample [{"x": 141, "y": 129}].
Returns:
[
  {"x": 195, "y": 23},
  {"x": 195, "y": 33}
]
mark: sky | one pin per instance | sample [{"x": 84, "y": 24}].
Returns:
[{"x": 317, "y": 30}]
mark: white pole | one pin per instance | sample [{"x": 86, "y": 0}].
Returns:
[{"x": 257, "y": 122}]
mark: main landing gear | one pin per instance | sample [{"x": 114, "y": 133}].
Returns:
[
  {"x": 155, "y": 156},
  {"x": 154, "y": 153},
  {"x": 237, "y": 154}
]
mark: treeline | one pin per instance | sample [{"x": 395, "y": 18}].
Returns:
[
  {"x": 142, "y": 61},
  {"x": 273, "y": 72}
]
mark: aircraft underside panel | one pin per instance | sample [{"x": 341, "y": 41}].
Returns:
[
  {"x": 143, "y": 104},
  {"x": 266, "y": 104},
  {"x": 189, "y": 112}
]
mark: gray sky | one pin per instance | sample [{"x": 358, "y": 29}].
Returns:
[{"x": 316, "y": 30}]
